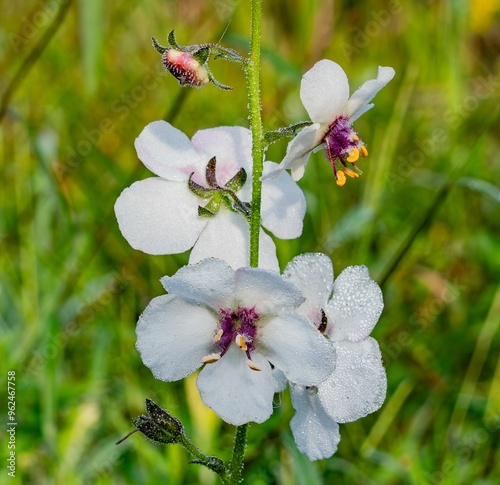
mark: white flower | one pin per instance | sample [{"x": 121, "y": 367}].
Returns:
[
  {"x": 358, "y": 384},
  {"x": 324, "y": 91},
  {"x": 160, "y": 215},
  {"x": 237, "y": 323}
]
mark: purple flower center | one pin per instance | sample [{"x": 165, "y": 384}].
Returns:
[
  {"x": 343, "y": 145},
  {"x": 238, "y": 326}
]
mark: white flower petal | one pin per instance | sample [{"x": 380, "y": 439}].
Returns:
[
  {"x": 369, "y": 89},
  {"x": 158, "y": 216},
  {"x": 361, "y": 111},
  {"x": 227, "y": 237},
  {"x": 316, "y": 434},
  {"x": 356, "y": 305},
  {"x": 293, "y": 345},
  {"x": 312, "y": 274},
  {"x": 283, "y": 205},
  {"x": 358, "y": 385},
  {"x": 167, "y": 152},
  {"x": 298, "y": 152},
  {"x": 235, "y": 392},
  {"x": 324, "y": 91},
  {"x": 173, "y": 336},
  {"x": 266, "y": 291},
  {"x": 232, "y": 146},
  {"x": 210, "y": 281},
  {"x": 280, "y": 380}
]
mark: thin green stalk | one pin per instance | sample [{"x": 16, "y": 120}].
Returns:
[
  {"x": 254, "y": 103},
  {"x": 236, "y": 465},
  {"x": 255, "y": 108}
]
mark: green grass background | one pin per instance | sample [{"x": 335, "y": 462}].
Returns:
[{"x": 424, "y": 217}]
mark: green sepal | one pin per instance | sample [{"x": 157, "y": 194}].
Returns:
[
  {"x": 202, "y": 55},
  {"x": 212, "y": 208},
  {"x": 172, "y": 41},
  {"x": 210, "y": 173},
  {"x": 234, "y": 204},
  {"x": 203, "y": 212},
  {"x": 285, "y": 132},
  {"x": 238, "y": 181},
  {"x": 159, "y": 48},
  {"x": 217, "y": 84},
  {"x": 199, "y": 190},
  {"x": 213, "y": 463}
]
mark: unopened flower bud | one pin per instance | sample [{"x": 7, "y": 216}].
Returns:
[
  {"x": 185, "y": 68},
  {"x": 159, "y": 426}
]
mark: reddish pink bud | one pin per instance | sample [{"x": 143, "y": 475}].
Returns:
[{"x": 185, "y": 68}]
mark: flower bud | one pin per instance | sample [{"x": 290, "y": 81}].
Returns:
[
  {"x": 159, "y": 426},
  {"x": 185, "y": 68}
]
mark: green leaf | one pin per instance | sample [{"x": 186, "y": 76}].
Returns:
[
  {"x": 213, "y": 463},
  {"x": 285, "y": 132},
  {"x": 481, "y": 186}
]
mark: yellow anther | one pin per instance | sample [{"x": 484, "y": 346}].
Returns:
[
  {"x": 340, "y": 179},
  {"x": 350, "y": 173},
  {"x": 354, "y": 137},
  {"x": 353, "y": 155},
  {"x": 240, "y": 342},
  {"x": 210, "y": 359},
  {"x": 253, "y": 365},
  {"x": 218, "y": 336},
  {"x": 364, "y": 151}
]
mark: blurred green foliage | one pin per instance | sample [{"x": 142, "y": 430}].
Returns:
[{"x": 424, "y": 217}]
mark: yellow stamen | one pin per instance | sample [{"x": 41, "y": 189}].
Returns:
[
  {"x": 253, "y": 365},
  {"x": 218, "y": 336},
  {"x": 364, "y": 151},
  {"x": 340, "y": 179},
  {"x": 240, "y": 342},
  {"x": 353, "y": 155},
  {"x": 210, "y": 359},
  {"x": 354, "y": 138},
  {"x": 350, "y": 173}
]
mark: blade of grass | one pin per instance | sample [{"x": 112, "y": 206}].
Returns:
[{"x": 32, "y": 58}]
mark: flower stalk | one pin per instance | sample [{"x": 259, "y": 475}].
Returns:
[{"x": 255, "y": 107}]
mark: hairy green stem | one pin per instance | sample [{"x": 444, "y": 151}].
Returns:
[
  {"x": 235, "y": 468},
  {"x": 254, "y": 103}
]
